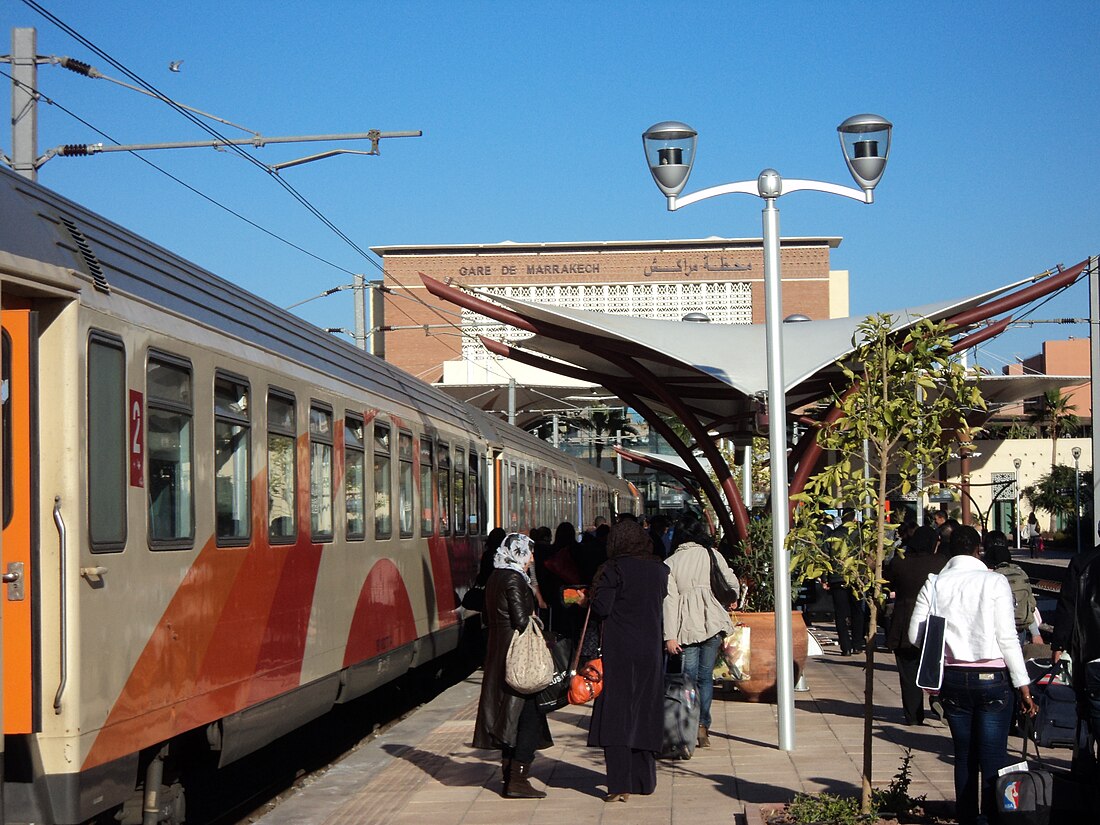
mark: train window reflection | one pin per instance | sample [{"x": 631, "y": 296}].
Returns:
[
  {"x": 168, "y": 449},
  {"x": 355, "y": 468},
  {"x": 474, "y": 488},
  {"x": 320, "y": 473},
  {"x": 383, "y": 482},
  {"x": 232, "y": 460},
  {"x": 406, "y": 508},
  {"x": 443, "y": 467},
  {"x": 427, "y": 489},
  {"x": 460, "y": 491},
  {"x": 107, "y": 443},
  {"x": 281, "y": 477}
]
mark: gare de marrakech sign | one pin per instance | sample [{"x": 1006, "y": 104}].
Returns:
[{"x": 683, "y": 267}]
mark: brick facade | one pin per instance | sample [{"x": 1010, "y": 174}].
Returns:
[{"x": 419, "y": 336}]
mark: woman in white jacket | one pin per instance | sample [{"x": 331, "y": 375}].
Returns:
[
  {"x": 694, "y": 621},
  {"x": 983, "y": 662}
]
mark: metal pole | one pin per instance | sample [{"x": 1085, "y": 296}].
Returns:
[
  {"x": 746, "y": 477},
  {"x": 1094, "y": 337},
  {"x": 777, "y": 433},
  {"x": 359, "y": 290},
  {"x": 555, "y": 437},
  {"x": 920, "y": 467},
  {"x": 1016, "y": 509},
  {"x": 512, "y": 401},
  {"x": 1077, "y": 497},
  {"x": 618, "y": 455},
  {"x": 24, "y": 104}
]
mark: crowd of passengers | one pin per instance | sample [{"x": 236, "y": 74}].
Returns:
[{"x": 648, "y": 585}]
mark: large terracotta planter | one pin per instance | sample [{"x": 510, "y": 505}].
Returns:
[{"x": 761, "y": 686}]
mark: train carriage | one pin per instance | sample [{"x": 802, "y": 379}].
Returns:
[{"x": 219, "y": 521}]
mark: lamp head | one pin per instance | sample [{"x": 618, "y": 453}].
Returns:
[
  {"x": 1016, "y": 463},
  {"x": 1076, "y": 451},
  {"x": 670, "y": 152},
  {"x": 865, "y": 141}
]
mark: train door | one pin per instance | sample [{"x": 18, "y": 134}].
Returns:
[{"x": 17, "y": 393}]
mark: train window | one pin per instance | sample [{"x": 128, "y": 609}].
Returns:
[
  {"x": 406, "y": 507},
  {"x": 107, "y": 442},
  {"x": 383, "y": 482},
  {"x": 474, "y": 488},
  {"x": 513, "y": 497},
  {"x": 355, "y": 469},
  {"x": 168, "y": 450},
  {"x": 232, "y": 460},
  {"x": 320, "y": 473},
  {"x": 443, "y": 468},
  {"x": 282, "y": 431},
  {"x": 460, "y": 491},
  {"x": 427, "y": 489},
  {"x": 524, "y": 501}
]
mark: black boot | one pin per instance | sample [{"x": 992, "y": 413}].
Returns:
[
  {"x": 506, "y": 771},
  {"x": 518, "y": 785}
]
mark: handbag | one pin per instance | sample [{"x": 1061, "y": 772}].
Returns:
[
  {"x": 735, "y": 652},
  {"x": 556, "y": 694},
  {"x": 586, "y": 682},
  {"x": 725, "y": 594},
  {"x": 528, "y": 665},
  {"x": 930, "y": 668}
]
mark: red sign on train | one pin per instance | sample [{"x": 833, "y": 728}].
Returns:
[{"x": 137, "y": 439}]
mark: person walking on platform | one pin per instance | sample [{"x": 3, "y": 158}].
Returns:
[
  {"x": 627, "y": 717},
  {"x": 983, "y": 662},
  {"x": 999, "y": 557},
  {"x": 907, "y": 575},
  {"x": 694, "y": 620},
  {"x": 506, "y": 720}
]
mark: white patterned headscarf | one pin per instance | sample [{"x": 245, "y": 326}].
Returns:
[{"x": 514, "y": 553}]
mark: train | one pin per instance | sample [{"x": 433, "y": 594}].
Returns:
[{"x": 220, "y": 521}]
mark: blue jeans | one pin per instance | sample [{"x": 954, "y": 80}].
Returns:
[
  {"x": 978, "y": 706},
  {"x": 698, "y": 663}
]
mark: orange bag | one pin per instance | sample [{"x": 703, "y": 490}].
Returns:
[{"x": 585, "y": 683}]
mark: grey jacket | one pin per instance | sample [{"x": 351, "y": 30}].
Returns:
[{"x": 691, "y": 613}]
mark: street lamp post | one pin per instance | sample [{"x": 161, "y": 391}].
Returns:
[
  {"x": 1016, "y": 511},
  {"x": 1077, "y": 494},
  {"x": 670, "y": 153}
]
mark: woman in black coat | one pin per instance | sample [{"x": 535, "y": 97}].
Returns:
[
  {"x": 628, "y": 716},
  {"x": 506, "y": 720},
  {"x": 907, "y": 576}
]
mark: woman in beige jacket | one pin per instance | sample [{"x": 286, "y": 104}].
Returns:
[{"x": 694, "y": 621}]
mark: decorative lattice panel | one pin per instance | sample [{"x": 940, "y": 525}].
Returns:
[{"x": 725, "y": 302}]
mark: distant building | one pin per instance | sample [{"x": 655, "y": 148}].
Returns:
[
  {"x": 1068, "y": 357},
  {"x": 720, "y": 277}
]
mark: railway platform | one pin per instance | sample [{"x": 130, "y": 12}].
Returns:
[{"x": 423, "y": 771}]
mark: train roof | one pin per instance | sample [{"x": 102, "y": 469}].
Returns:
[{"x": 41, "y": 225}]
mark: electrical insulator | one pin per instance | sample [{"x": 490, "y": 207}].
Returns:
[{"x": 74, "y": 150}]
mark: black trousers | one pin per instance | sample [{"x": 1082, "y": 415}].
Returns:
[
  {"x": 629, "y": 770},
  {"x": 848, "y": 609},
  {"x": 912, "y": 697},
  {"x": 527, "y": 735}
]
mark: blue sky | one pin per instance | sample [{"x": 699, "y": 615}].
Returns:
[{"x": 532, "y": 116}]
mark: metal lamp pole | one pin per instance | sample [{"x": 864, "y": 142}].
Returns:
[
  {"x": 670, "y": 153},
  {"x": 1016, "y": 512}
]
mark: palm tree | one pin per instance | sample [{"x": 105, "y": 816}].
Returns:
[
  {"x": 606, "y": 423},
  {"x": 1057, "y": 416}
]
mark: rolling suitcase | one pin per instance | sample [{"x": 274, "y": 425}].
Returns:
[
  {"x": 1056, "y": 723},
  {"x": 681, "y": 725}
]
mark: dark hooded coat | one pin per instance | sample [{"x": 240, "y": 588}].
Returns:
[{"x": 907, "y": 575}]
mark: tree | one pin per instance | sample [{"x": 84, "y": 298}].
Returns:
[
  {"x": 607, "y": 422},
  {"x": 1055, "y": 493},
  {"x": 1057, "y": 417},
  {"x": 905, "y": 395}
]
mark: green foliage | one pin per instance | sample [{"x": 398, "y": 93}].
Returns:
[
  {"x": 895, "y": 798},
  {"x": 1054, "y": 492},
  {"x": 826, "y": 807},
  {"x": 907, "y": 396},
  {"x": 752, "y": 563}
]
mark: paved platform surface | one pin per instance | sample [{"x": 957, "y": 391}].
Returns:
[{"x": 423, "y": 771}]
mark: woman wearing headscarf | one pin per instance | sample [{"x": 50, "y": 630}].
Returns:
[
  {"x": 983, "y": 663},
  {"x": 694, "y": 621},
  {"x": 907, "y": 575},
  {"x": 628, "y": 716},
  {"x": 506, "y": 720}
]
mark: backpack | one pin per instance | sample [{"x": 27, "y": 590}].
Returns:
[{"x": 1022, "y": 596}]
